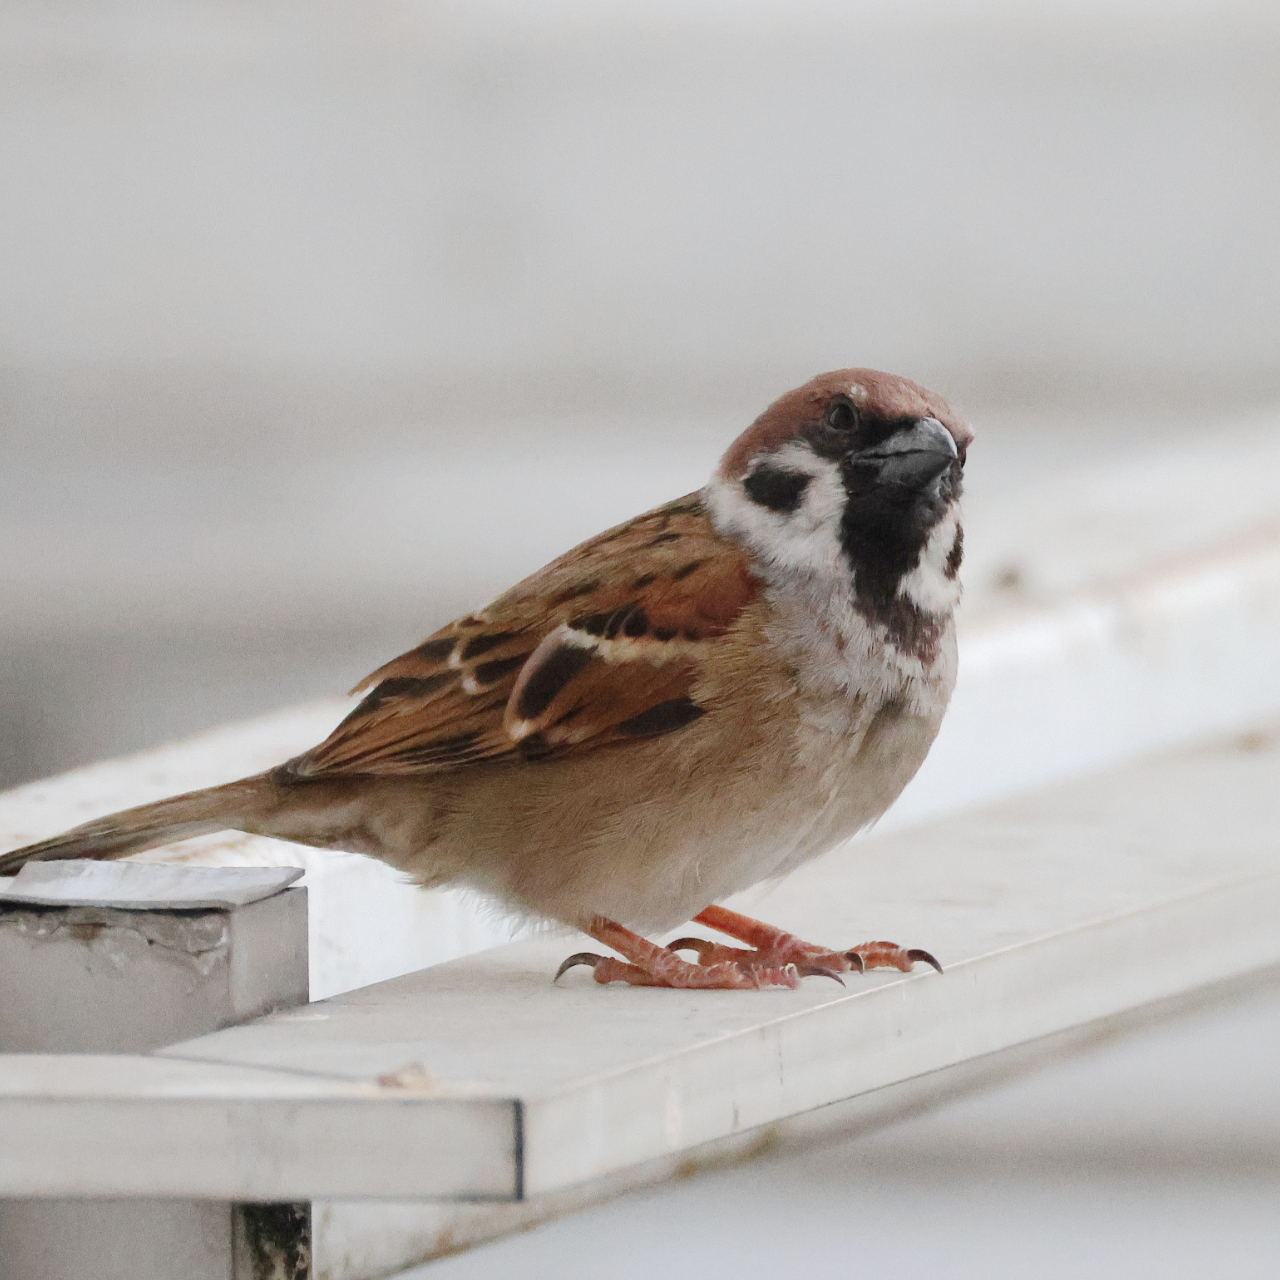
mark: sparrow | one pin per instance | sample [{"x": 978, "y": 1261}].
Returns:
[{"x": 693, "y": 702}]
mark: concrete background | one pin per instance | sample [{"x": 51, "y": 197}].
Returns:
[{"x": 321, "y": 323}]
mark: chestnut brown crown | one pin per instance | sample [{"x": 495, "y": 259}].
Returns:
[{"x": 880, "y": 396}]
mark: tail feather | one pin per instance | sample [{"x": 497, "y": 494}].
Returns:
[{"x": 132, "y": 830}]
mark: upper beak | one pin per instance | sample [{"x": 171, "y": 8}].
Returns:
[{"x": 913, "y": 456}]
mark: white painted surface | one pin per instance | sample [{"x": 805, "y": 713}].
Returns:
[
  {"x": 1147, "y": 1152},
  {"x": 128, "y": 886},
  {"x": 225, "y": 1132},
  {"x": 1048, "y": 912}
]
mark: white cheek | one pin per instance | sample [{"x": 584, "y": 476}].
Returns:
[
  {"x": 927, "y": 586},
  {"x": 807, "y": 539}
]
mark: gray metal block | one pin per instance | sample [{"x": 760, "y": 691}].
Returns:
[
  {"x": 104, "y": 980},
  {"x": 153, "y": 1240},
  {"x": 97, "y": 978}
]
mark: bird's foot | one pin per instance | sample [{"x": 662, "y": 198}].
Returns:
[
  {"x": 648, "y": 965},
  {"x": 773, "y": 947},
  {"x": 866, "y": 955}
]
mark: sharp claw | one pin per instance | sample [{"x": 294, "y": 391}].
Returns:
[
  {"x": 916, "y": 954},
  {"x": 816, "y": 971},
  {"x": 855, "y": 961},
  {"x": 700, "y": 945},
  {"x": 581, "y": 957}
]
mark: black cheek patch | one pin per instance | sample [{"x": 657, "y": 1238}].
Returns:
[
  {"x": 664, "y": 718},
  {"x": 549, "y": 677},
  {"x": 778, "y": 490}
]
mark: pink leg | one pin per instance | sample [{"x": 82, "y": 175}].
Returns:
[
  {"x": 649, "y": 965},
  {"x": 773, "y": 946}
]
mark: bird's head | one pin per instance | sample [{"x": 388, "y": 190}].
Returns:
[{"x": 855, "y": 476}]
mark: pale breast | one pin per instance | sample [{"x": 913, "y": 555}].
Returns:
[
  {"x": 812, "y": 729},
  {"x": 867, "y": 712}
]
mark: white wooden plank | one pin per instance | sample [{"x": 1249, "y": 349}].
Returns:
[
  {"x": 95, "y": 1125},
  {"x": 1049, "y": 912}
]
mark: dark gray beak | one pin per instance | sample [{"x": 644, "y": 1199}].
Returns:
[{"x": 913, "y": 456}]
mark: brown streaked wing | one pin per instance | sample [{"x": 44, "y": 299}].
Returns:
[{"x": 601, "y": 645}]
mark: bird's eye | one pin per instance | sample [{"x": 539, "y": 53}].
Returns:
[{"x": 842, "y": 416}]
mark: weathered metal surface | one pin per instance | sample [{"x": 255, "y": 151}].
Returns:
[
  {"x": 480, "y": 1079},
  {"x": 109, "y": 980}
]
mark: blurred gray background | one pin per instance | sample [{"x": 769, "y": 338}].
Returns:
[{"x": 321, "y": 322}]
